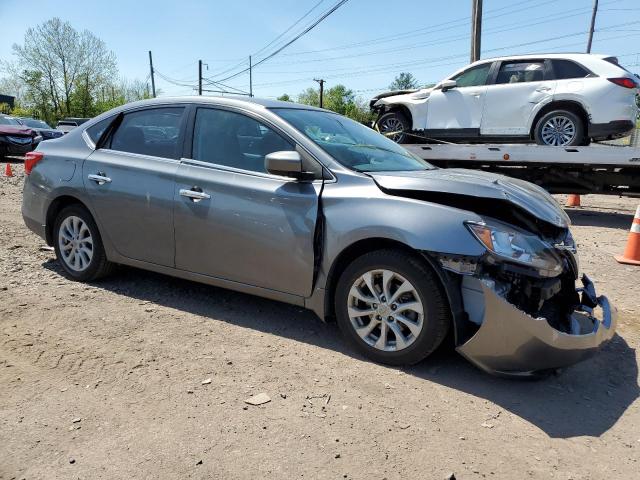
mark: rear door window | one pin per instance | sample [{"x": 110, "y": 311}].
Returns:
[
  {"x": 153, "y": 132},
  {"x": 520, "y": 72},
  {"x": 565, "y": 69}
]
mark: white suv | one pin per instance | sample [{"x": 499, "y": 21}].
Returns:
[{"x": 554, "y": 99}]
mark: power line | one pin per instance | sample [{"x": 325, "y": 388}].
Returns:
[
  {"x": 288, "y": 29},
  {"x": 440, "y": 41},
  {"x": 463, "y": 22},
  {"x": 298, "y": 36},
  {"x": 394, "y": 67},
  {"x": 272, "y": 41}
]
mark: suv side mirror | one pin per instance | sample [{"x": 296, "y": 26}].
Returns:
[
  {"x": 286, "y": 164},
  {"x": 448, "y": 85}
]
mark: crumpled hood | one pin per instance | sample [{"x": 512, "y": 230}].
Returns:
[
  {"x": 393, "y": 97},
  {"x": 474, "y": 183},
  {"x": 18, "y": 131}
]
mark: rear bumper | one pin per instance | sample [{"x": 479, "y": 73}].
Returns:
[
  {"x": 11, "y": 149},
  {"x": 611, "y": 130},
  {"x": 510, "y": 342}
]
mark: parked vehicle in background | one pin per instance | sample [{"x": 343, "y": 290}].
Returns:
[
  {"x": 67, "y": 124},
  {"x": 553, "y": 99},
  {"x": 15, "y": 138},
  {"x": 41, "y": 127},
  {"x": 305, "y": 206}
]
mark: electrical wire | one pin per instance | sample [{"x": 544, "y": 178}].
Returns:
[{"x": 294, "y": 39}]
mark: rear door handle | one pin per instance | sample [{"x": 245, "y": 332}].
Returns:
[
  {"x": 543, "y": 89},
  {"x": 100, "y": 178},
  {"x": 194, "y": 195}
]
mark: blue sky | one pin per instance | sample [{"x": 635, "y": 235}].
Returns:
[{"x": 363, "y": 45}]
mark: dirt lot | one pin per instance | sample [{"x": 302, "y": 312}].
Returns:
[{"x": 112, "y": 381}]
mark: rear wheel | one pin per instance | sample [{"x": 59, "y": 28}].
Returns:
[
  {"x": 394, "y": 125},
  {"x": 78, "y": 245},
  {"x": 391, "y": 307},
  {"x": 560, "y": 128}
]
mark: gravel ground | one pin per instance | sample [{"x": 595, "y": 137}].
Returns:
[{"x": 145, "y": 376}]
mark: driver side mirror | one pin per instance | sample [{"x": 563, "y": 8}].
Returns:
[
  {"x": 286, "y": 164},
  {"x": 448, "y": 85}
]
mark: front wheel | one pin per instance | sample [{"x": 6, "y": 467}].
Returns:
[
  {"x": 78, "y": 245},
  {"x": 391, "y": 306},
  {"x": 394, "y": 125},
  {"x": 560, "y": 128}
]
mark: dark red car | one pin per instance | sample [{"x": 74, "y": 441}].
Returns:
[{"x": 15, "y": 139}]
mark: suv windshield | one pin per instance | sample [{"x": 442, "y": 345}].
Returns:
[{"x": 353, "y": 145}]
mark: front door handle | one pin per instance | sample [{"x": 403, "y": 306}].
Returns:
[
  {"x": 543, "y": 89},
  {"x": 100, "y": 178},
  {"x": 195, "y": 194}
]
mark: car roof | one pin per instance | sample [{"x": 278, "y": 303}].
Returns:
[
  {"x": 528, "y": 56},
  {"x": 246, "y": 102}
]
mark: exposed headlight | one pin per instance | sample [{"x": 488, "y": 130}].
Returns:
[{"x": 519, "y": 247}]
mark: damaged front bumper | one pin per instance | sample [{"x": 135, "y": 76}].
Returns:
[{"x": 511, "y": 342}]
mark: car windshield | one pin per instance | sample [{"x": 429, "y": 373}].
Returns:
[
  {"x": 352, "y": 144},
  {"x": 32, "y": 122},
  {"x": 8, "y": 121}
]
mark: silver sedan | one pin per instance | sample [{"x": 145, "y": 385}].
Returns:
[{"x": 304, "y": 206}]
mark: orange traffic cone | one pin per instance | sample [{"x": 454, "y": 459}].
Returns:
[
  {"x": 573, "y": 200},
  {"x": 631, "y": 255},
  {"x": 7, "y": 171}
]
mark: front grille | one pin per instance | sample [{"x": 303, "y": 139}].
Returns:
[{"x": 20, "y": 140}]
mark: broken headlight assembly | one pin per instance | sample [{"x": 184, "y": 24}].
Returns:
[{"x": 509, "y": 243}]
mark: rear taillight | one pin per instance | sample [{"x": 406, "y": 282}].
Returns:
[
  {"x": 625, "y": 82},
  {"x": 30, "y": 161}
]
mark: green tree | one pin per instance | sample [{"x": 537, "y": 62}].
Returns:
[
  {"x": 310, "y": 96},
  {"x": 339, "y": 99},
  {"x": 404, "y": 81},
  {"x": 57, "y": 60},
  {"x": 285, "y": 98}
]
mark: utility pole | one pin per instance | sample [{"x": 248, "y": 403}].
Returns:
[
  {"x": 153, "y": 81},
  {"x": 593, "y": 24},
  {"x": 199, "y": 77},
  {"x": 321, "y": 82},
  {"x": 250, "y": 78},
  {"x": 476, "y": 29}
]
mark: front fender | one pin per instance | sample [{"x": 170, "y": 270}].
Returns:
[
  {"x": 362, "y": 211},
  {"x": 416, "y": 107}
]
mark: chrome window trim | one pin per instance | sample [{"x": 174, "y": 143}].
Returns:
[
  {"x": 140, "y": 155},
  {"x": 240, "y": 171}
]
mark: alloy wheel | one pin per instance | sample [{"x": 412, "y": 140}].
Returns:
[
  {"x": 392, "y": 128},
  {"x": 558, "y": 131},
  {"x": 385, "y": 310},
  {"x": 76, "y": 243}
]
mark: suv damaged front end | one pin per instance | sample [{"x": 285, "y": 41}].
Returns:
[{"x": 523, "y": 313}]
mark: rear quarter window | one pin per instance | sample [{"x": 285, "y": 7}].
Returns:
[
  {"x": 96, "y": 130},
  {"x": 565, "y": 69}
]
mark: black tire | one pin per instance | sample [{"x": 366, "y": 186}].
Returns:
[
  {"x": 98, "y": 266},
  {"x": 436, "y": 319},
  {"x": 390, "y": 121},
  {"x": 579, "y": 137}
]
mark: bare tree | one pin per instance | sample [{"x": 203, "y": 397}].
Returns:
[{"x": 65, "y": 60}]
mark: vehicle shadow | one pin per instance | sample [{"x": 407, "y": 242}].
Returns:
[
  {"x": 598, "y": 218},
  {"x": 585, "y": 400}
]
